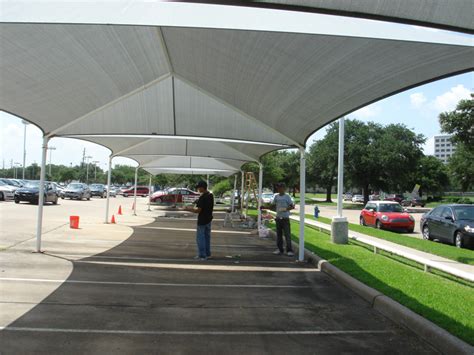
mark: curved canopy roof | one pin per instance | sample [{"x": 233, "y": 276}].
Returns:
[
  {"x": 457, "y": 15},
  {"x": 139, "y": 73}
]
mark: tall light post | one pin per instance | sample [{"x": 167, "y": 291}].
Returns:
[
  {"x": 86, "y": 159},
  {"x": 50, "y": 155},
  {"x": 24, "y": 147},
  {"x": 95, "y": 169},
  {"x": 16, "y": 165}
]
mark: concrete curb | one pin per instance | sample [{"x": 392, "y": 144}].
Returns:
[{"x": 439, "y": 338}]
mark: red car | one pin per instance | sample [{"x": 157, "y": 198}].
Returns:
[
  {"x": 141, "y": 191},
  {"x": 174, "y": 195},
  {"x": 386, "y": 215}
]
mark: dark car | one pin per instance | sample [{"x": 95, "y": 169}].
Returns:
[
  {"x": 141, "y": 191},
  {"x": 394, "y": 197},
  {"x": 30, "y": 193},
  {"x": 452, "y": 224},
  {"x": 413, "y": 202},
  {"x": 76, "y": 190},
  {"x": 98, "y": 190}
]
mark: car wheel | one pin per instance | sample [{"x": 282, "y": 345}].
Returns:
[
  {"x": 378, "y": 225},
  {"x": 55, "y": 202},
  {"x": 2, "y": 196},
  {"x": 362, "y": 221},
  {"x": 88, "y": 198},
  {"x": 16, "y": 201},
  {"x": 426, "y": 232},
  {"x": 458, "y": 241},
  {"x": 125, "y": 195},
  {"x": 410, "y": 230}
]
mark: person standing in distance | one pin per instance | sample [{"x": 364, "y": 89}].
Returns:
[
  {"x": 204, "y": 208},
  {"x": 283, "y": 204}
]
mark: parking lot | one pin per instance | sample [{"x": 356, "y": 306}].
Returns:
[{"x": 134, "y": 287}]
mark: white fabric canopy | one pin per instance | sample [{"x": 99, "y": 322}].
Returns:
[{"x": 273, "y": 83}]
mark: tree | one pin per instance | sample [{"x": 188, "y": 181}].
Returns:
[
  {"x": 460, "y": 123},
  {"x": 432, "y": 176},
  {"x": 322, "y": 161},
  {"x": 221, "y": 187},
  {"x": 461, "y": 167}
]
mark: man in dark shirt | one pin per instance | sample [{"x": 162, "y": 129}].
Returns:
[{"x": 204, "y": 208}]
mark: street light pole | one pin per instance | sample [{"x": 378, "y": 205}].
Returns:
[
  {"x": 50, "y": 155},
  {"x": 24, "y": 147},
  {"x": 87, "y": 168},
  {"x": 95, "y": 169}
]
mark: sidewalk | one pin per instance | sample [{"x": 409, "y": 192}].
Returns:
[{"x": 464, "y": 271}]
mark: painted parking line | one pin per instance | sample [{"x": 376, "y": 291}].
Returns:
[
  {"x": 195, "y": 332},
  {"x": 159, "y": 284},
  {"x": 204, "y": 266},
  {"x": 194, "y": 230}
]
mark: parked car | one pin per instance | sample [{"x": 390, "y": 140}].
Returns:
[
  {"x": 358, "y": 199},
  {"x": 386, "y": 215},
  {"x": 59, "y": 188},
  {"x": 267, "y": 198},
  {"x": 30, "y": 193},
  {"x": 347, "y": 196},
  {"x": 413, "y": 202},
  {"x": 394, "y": 197},
  {"x": 112, "y": 191},
  {"x": 77, "y": 190},
  {"x": 174, "y": 195},
  {"x": 98, "y": 190},
  {"x": 452, "y": 224},
  {"x": 141, "y": 191},
  {"x": 7, "y": 192},
  {"x": 374, "y": 197},
  {"x": 12, "y": 183}
]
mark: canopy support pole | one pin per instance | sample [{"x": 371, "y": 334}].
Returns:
[
  {"x": 232, "y": 200},
  {"x": 109, "y": 181},
  {"x": 242, "y": 192},
  {"x": 149, "y": 194},
  {"x": 135, "y": 193},
  {"x": 259, "y": 201},
  {"x": 207, "y": 180},
  {"x": 302, "y": 203},
  {"x": 339, "y": 224},
  {"x": 39, "y": 223}
]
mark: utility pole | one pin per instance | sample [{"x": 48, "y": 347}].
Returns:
[
  {"x": 24, "y": 147},
  {"x": 87, "y": 166},
  {"x": 95, "y": 169}
]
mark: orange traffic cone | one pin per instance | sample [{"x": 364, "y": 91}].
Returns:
[
  {"x": 120, "y": 210},
  {"x": 112, "y": 220}
]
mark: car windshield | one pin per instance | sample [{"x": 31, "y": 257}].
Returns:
[
  {"x": 74, "y": 186},
  {"x": 390, "y": 207},
  {"x": 267, "y": 195},
  {"x": 2, "y": 183},
  {"x": 96, "y": 186},
  {"x": 32, "y": 184},
  {"x": 464, "y": 212}
]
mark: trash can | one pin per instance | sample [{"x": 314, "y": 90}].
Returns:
[
  {"x": 74, "y": 222},
  {"x": 316, "y": 212}
]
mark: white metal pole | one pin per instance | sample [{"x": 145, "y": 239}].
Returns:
[
  {"x": 39, "y": 223},
  {"x": 242, "y": 193},
  {"x": 302, "y": 202},
  {"x": 24, "y": 149},
  {"x": 232, "y": 200},
  {"x": 340, "y": 168},
  {"x": 207, "y": 180},
  {"x": 135, "y": 193},
  {"x": 109, "y": 181},
  {"x": 259, "y": 202},
  {"x": 149, "y": 194}
]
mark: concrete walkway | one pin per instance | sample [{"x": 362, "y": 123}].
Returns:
[
  {"x": 465, "y": 271},
  {"x": 148, "y": 295}
]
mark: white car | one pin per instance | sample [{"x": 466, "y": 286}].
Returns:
[
  {"x": 7, "y": 192},
  {"x": 358, "y": 199},
  {"x": 267, "y": 198}
]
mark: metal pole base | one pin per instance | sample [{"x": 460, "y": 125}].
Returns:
[{"x": 339, "y": 230}]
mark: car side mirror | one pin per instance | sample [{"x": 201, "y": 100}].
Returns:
[{"x": 449, "y": 218}]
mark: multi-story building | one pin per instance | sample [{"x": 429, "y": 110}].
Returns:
[{"x": 443, "y": 148}]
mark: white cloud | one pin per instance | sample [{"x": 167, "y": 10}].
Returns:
[
  {"x": 449, "y": 100},
  {"x": 418, "y": 99},
  {"x": 367, "y": 112}
]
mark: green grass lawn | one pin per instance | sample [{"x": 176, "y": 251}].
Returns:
[
  {"x": 465, "y": 256},
  {"x": 444, "y": 301}
]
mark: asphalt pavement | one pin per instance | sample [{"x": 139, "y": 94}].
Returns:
[{"x": 134, "y": 287}]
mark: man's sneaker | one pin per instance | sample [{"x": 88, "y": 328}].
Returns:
[
  {"x": 197, "y": 257},
  {"x": 277, "y": 252},
  {"x": 290, "y": 253}
]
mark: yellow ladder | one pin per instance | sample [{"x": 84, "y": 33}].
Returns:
[{"x": 250, "y": 187}]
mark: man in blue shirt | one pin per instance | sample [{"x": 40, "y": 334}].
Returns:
[{"x": 283, "y": 204}]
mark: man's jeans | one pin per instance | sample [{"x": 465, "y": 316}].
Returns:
[
  {"x": 283, "y": 227},
  {"x": 203, "y": 239}
]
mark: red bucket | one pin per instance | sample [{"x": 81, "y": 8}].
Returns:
[{"x": 74, "y": 222}]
